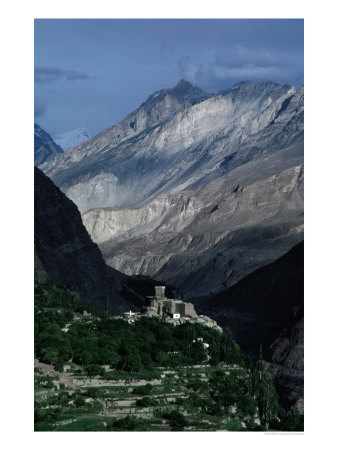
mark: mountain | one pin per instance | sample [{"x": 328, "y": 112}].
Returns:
[
  {"x": 44, "y": 146},
  {"x": 65, "y": 253},
  {"x": 72, "y": 138},
  {"x": 192, "y": 189},
  {"x": 267, "y": 308},
  {"x": 168, "y": 144}
]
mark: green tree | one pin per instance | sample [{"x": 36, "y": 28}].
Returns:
[
  {"x": 130, "y": 363},
  {"x": 198, "y": 352},
  {"x": 263, "y": 390},
  {"x": 106, "y": 307},
  {"x": 49, "y": 355},
  {"x": 94, "y": 370},
  {"x": 145, "y": 402},
  {"x": 127, "y": 423},
  {"x": 234, "y": 425},
  {"x": 59, "y": 365},
  {"x": 93, "y": 392},
  {"x": 177, "y": 421},
  {"x": 108, "y": 355},
  {"x": 143, "y": 390},
  {"x": 79, "y": 401}
]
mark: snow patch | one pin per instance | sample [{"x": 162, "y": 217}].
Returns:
[{"x": 72, "y": 138}]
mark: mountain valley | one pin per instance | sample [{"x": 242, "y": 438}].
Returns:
[{"x": 202, "y": 193}]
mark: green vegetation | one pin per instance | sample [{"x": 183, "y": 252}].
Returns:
[
  {"x": 159, "y": 376},
  {"x": 143, "y": 390},
  {"x": 146, "y": 402},
  {"x": 176, "y": 420},
  {"x": 49, "y": 296},
  {"x": 105, "y": 341}
]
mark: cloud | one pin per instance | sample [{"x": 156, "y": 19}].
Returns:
[
  {"x": 240, "y": 63},
  {"x": 40, "y": 107},
  {"x": 51, "y": 74}
]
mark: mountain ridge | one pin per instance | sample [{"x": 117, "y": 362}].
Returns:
[
  {"x": 65, "y": 254},
  {"x": 44, "y": 146},
  {"x": 267, "y": 308},
  {"x": 223, "y": 153},
  {"x": 172, "y": 147}
]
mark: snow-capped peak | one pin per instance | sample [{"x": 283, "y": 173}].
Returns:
[{"x": 72, "y": 138}]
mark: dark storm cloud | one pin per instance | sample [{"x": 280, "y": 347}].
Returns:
[
  {"x": 242, "y": 63},
  {"x": 116, "y": 64},
  {"x": 51, "y": 74}
]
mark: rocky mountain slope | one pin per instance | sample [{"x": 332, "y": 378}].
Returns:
[
  {"x": 267, "y": 308},
  {"x": 177, "y": 144},
  {"x": 72, "y": 138},
  {"x": 44, "y": 146},
  {"x": 65, "y": 253},
  {"x": 199, "y": 245},
  {"x": 192, "y": 189}
]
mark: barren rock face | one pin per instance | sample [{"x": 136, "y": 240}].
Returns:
[
  {"x": 129, "y": 165},
  {"x": 199, "y": 245},
  {"x": 192, "y": 189},
  {"x": 168, "y": 213}
]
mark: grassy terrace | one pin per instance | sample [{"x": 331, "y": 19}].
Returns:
[{"x": 99, "y": 407}]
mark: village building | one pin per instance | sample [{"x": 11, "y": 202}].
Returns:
[{"x": 128, "y": 315}]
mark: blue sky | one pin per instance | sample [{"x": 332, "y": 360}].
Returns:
[{"x": 92, "y": 73}]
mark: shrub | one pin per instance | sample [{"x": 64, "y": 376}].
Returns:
[
  {"x": 79, "y": 401},
  {"x": 127, "y": 423},
  {"x": 94, "y": 370},
  {"x": 58, "y": 366},
  {"x": 92, "y": 392},
  {"x": 234, "y": 425},
  {"x": 144, "y": 402},
  {"x": 177, "y": 421},
  {"x": 143, "y": 390},
  {"x": 148, "y": 401}
]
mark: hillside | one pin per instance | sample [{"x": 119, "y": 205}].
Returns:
[
  {"x": 66, "y": 255},
  {"x": 100, "y": 373},
  {"x": 267, "y": 307}
]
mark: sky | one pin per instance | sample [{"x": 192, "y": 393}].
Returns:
[{"x": 93, "y": 72}]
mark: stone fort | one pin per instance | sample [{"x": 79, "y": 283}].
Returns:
[{"x": 160, "y": 303}]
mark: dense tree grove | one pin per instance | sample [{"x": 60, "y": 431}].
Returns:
[{"x": 105, "y": 341}]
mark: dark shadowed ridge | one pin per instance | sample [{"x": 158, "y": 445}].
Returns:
[
  {"x": 267, "y": 308},
  {"x": 66, "y": 253},
  {"x": 273, "y": 293},
  {"x": 44, "y": 146}
]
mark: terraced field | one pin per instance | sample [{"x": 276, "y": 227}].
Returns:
[
  {"x": 169, "y": 401},
  {"x": 97, "y": 373}
]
